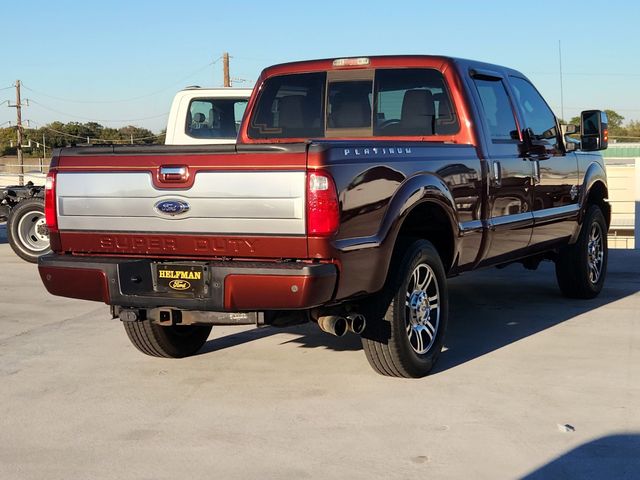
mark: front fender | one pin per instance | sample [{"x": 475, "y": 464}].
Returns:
[
  {"x": 594, "y": 176},
  {"x": 594, "y": 173}
]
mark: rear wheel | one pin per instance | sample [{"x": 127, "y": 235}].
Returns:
[
  {"x": 172, "y": 342},
  {"x": 581, "y": 268},
  {"x": 405, "y": 338},
  {"x": 27, "y": 230}
]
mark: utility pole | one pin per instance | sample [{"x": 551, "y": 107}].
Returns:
[
  {"x": 225, "y": 69},
  {"x": 18, "y": 107}
]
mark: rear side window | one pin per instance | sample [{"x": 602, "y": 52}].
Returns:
[
  {"x": 413, "y": 102},
  {"x": 290, "y": 106},
  {"x": 497, "y": 110},
  {"x": 215, "y": 117}
]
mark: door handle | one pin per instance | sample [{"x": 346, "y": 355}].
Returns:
[
  {"x": 536, "y": 172},
  {"x": 497, "y": 173},
  {"x": 173, "y": 173}
]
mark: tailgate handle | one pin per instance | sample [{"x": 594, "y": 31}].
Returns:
[{"x": 174, "y": 173}]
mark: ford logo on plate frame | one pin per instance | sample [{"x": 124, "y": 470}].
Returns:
[{"x": 172, "y": 207}]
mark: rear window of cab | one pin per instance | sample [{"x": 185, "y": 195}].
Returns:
[{"x": 354, "y": 103}]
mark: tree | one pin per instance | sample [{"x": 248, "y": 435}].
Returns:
[
  {"x": 7, "y": 138},
  {"x": 615, "y": 119}
]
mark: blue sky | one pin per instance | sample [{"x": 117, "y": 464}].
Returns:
[{"x": 99, "y": 59}]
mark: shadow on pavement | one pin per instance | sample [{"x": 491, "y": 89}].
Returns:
[
  {"x": 494, "y": 308},
  {"x": 488, "y": 310},
  {"x": 614, "y": 457},
  {"x": 308, "y": 336}
]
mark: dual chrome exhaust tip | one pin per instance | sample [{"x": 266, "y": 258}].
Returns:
[{"x": 338, "y": 325}]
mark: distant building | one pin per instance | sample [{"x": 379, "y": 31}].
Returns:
[{"x": 623, "y": 162}]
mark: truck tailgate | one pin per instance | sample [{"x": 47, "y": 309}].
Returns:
[{"x": 224, "y": 204}]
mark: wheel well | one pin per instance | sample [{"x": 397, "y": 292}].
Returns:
[
  {"x": 428, "y": 221},
  {"x": 597, "y": 195}
]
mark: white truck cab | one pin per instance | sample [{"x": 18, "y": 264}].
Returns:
[{"x": 206, "y": 116}]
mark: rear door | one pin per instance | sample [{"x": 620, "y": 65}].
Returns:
[{"x": 510, "y": 177}]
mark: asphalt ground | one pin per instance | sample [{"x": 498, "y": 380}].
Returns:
[{"x": 532, "y": 385}]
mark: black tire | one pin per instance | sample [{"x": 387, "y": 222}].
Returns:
[
  {"x": 26, "y": 230},
  {"x": 390, "y": 340},
  {"x": 170, "y": 342},
  {"x": 576, "y": 263}
]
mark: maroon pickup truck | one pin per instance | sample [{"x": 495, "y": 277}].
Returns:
[{"x": 357, "y": 186}]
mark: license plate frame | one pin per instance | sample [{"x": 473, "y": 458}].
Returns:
[{"x": 180, "y": 278}]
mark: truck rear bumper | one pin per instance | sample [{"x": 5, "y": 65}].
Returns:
[{"x": 230, "y": 286}]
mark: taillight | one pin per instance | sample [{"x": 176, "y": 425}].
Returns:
[
  {"x": 50, "y": 213},
  {"x": 323, "y": 210}
]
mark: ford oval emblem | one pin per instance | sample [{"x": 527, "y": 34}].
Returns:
[{"x": 172, "y": 207}]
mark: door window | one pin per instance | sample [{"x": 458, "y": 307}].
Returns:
[{"x": 536, "y": 113}]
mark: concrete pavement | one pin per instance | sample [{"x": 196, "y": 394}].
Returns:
[{"x": 532, "y": 385}]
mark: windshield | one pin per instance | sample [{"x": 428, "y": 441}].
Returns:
[{"x": 354, "y": 103}]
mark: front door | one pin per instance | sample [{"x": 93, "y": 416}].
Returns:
[{"x": 555, "y": 194}]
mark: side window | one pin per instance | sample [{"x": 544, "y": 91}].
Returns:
[
  {"x": 214, "y": 118},
  {"x": 413, "y": 101},
  {"x": 290, "y": 106},
  {"x": 497, "y": 110},
  {"x": 535, "y": 111}
]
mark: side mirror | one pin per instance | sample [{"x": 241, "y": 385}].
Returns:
[{"x": 594, "y": 128}]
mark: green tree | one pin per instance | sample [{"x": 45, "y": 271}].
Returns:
[
  {"x": 615, "y": 119},
  {"x": 7, "y": 137}
]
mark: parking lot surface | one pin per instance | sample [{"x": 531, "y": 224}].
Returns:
[{"x": 531, "y": 385}]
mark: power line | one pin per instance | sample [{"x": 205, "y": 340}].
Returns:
[
  {"x": 96, "y": 119},
  {"x": 84, "y": 138},
  {"x": 609, "y": 108},
  {"x": 589, "y": 74},
  {"x": 124, "y": 100}
]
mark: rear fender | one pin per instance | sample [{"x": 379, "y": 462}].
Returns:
[
  {"x": 374, "y": 253},
  {"x": 416, "y": 191}
]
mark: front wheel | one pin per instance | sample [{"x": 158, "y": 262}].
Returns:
[
  {"x": 405, "y": 339},
  {"x": 172, "y": 341},
  {"x": 27, "y": 230},
  {"x": 581, "y": 268}
]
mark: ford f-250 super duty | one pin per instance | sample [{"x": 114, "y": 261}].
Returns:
[{"x": 356, "y": 187}]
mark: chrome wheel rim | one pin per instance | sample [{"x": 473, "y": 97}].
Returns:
[
  {"x": 595, "y": 253},
  {"x": 32, "y": 231},
  {"x": 422, "y": 309}
]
